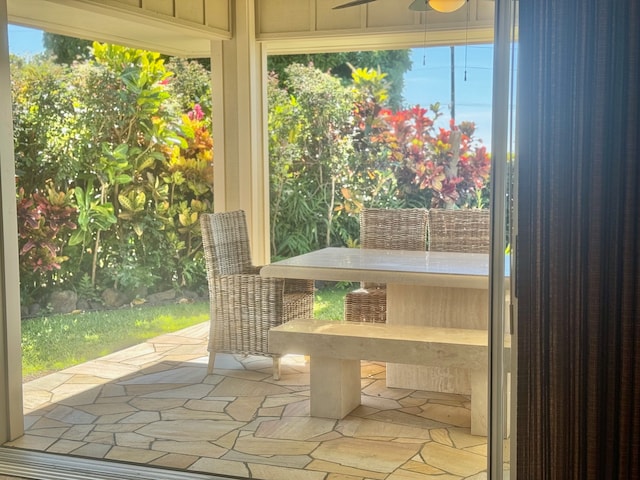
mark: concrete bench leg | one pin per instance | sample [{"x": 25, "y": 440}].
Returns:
[
  {"x": 480, "y": 403},
  {"x": 335, "y": 386}
]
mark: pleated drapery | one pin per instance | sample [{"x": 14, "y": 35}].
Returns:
[{"x": 578, "y": 250}]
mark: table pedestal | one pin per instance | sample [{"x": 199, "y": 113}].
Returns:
[{"x": 437, "y": 307}]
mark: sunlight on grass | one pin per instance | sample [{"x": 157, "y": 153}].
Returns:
[{"x": 55, "y": 342}]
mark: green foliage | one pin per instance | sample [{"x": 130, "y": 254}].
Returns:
[
  {"x": 66, "y": 50},
  {"x": 326, "y": 167},
  {"x": 394, "y": 62},
  {"x": 136, "y": 169}
]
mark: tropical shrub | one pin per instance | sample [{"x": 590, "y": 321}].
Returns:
[{"x": 134, "y": 171}]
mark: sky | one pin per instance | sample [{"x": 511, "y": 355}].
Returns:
[{"x": 428, "y": 81}]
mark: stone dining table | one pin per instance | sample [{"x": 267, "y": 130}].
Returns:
[{"x": 439, "y": 289}]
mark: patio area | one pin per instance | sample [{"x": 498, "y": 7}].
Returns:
[{"x": 154, "y": 404}]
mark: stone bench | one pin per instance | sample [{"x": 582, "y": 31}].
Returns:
[{"x": 336, "y": 348}]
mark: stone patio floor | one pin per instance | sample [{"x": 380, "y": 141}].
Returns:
[{"x": 154, "y": 404}]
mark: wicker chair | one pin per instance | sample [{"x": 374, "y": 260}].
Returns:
[
  {"x": 244, "y": 305},
  {"x": 396, "y": 229},
  {"x": 459, "y": 230}
]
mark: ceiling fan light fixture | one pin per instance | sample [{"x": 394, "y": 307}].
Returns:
[{"x": 446, "y": 6}]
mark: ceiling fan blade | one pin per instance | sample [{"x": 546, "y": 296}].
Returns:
[
  {"x": 420, "y": 6},
  {"x": 352, "y": 4}
]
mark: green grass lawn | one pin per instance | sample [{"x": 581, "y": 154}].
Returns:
[{"x": 54, "y": 342}]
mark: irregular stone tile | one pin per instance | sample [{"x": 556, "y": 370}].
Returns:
[
  {"x": 421, "y": 467},
  {"x": 293, "y": 461},
  {"x": 94, "y": 450},
  {"x": 254, "y": 424},
  {"x": 65, "y": 446},
  {"x": 263, "y": 446},
  {"x": 352, "y": 451},
  {"x": 453, "y": 461},
  {"x": 48, "y": 382},
  {"x": 326, "y": 437},
  {"x": 397, "y": 417},
  {"x": 379, "y": 389},
  {"x": 246, "y": 388},
  {"x": 189, "y": 430},
  {"x": 144, "y": 360},
  {"x": 291, "y": 378},
  {"x": 78, "y": 432},
  {"x": 171, "y": 339},
  {"x": 107, "y": 438},
  {"x": 244, "y": 408},
  {"x": 49, "y": 432},
  {"x": 44, "y": 422},
  {"x": 478, "y": 450},
  {"x": 221, "y": 467},
  {"x": 118, "y": 427},
  {"x": 279, "y": 400},
  {"x": 74, "y": 394},
  {"x": 206, "y": 405},
  {"x": 35, "y": 399},
  {"x": 187, "y": 414},
  {"x": 450, "y": 398},
  {"x": 360, "y": 428},
  {"x": 30, "y": 420},
  {"x": 175, "y": 460},
  {"x": 201, "y": 449},
  {"x": 141, "y": 390},
  {"x": 298, "y": 409},
  {"x": 142, "y": 418},
  {"x": 99, "y": 409},
  {"x": 185, "y": 375},
  {"x": 102, "y": 369},
  {"x": 450, "y": 415},
  {"x": 191, "y": 392},
  {"x": 337, "y": 469},
  {"x": 249, "y": 375},
  {"x": 441, "y": 435},
  {"x": 32, "y": 442},
  {"x": 295, "y": 428},
  {"x": 229, "y": 440},
  {"x": 379, "y": 403},
  {"x": 87, "y": 379},
  {"x": 225, "y": 361},
  {"x": 71, "y": 415},
  {"x": 408, "y": 475},
  {"x": 136, "y": 455},
  {"x": 482, "y": 476},
  {"x": 112, "y": 418},
  {"x": 411, "y": 401},
  {"x": 113, "y": 399},
  {"x": 133, "y": 440},
  {"x": 340, "y": 476},
  {"x": 157, "y": 404},
  {"x": 130, "y": 353},
  {"x": 270, "y": 412},
  {"x": 270, "y": 472},
  {"x": 462, "y": 438},
  {"x": 370, "y": 369}
]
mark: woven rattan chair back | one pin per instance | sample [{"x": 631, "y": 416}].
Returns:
[
  {"x": 244, "y": 305},
  {"x": 459, "y": 230},
  {"x": 394, "y": 229},
  {"x": 397, "y": 229}
]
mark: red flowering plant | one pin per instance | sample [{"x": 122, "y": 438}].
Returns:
[{"x": 433, "y": 169}]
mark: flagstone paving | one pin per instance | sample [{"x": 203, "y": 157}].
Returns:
[{"x": 155, "y": 404}]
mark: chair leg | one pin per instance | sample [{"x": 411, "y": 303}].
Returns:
[
  {"x": 276, "y": 367},
  {"x": 212, "y": 359}
]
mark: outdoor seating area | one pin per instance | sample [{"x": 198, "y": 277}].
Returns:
[{"x": 155, "y": 404}]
